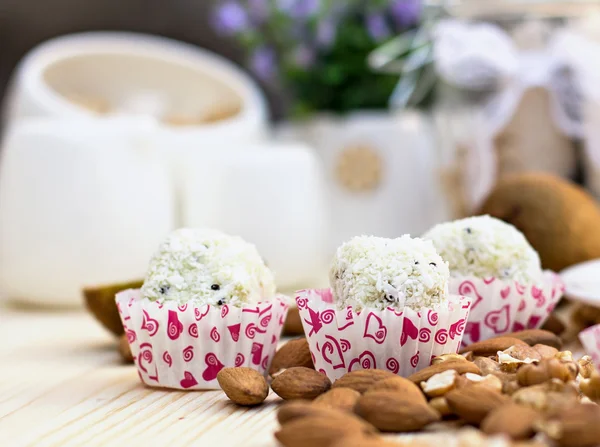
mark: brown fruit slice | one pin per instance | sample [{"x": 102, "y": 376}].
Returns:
[
  {"x": 244, "y": 386},
  {"x": 300, "y": 383},
  {"x": 100, "y": 301}
]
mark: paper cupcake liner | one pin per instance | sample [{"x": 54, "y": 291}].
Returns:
[
  {"x": 185, "y": 346},
  {"x": 503, "y": 306},
  {"x": 401, "y": 341},
  {"x": 590, "y": 339}
]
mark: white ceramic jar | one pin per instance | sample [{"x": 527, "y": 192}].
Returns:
[{"x": 86, "y": 194}]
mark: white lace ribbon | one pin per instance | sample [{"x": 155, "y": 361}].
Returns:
[{"x": 482, "y": 57}]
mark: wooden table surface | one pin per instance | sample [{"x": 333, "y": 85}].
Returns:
[{"x": 62, "y": 383}]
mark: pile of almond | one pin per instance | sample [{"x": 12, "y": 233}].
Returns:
[{"x": 518, "y": 386}]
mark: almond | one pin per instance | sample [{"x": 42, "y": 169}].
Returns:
[
  {"x": 515, "y": 421},
  {"x": 293, "y": 322},
  {"x": 293, "y": 353},
  {"x": 440, "y": 404},
  {"x": 591, "y": 387},
  {"x": 544, "y": 371},
  {"x": 341, "y": 398},
  {"x": 486, "y": 365},
  {"x": 490, "y": 347},
  {"x": 459, "y": 366},
  {"x": 400, "y": 385},
  {"x": 490, "y": 381},
  {"x": 446, "y": 357},
  {"x": 393, "y": 413},
  {"x": 554, "y": 325},
  {"x": 370, "y": 441},
  {"x": 243, "y": 386},
  {"x": 439, "y": 384},
  {"x": 537, "y": 337},
  {"x": 317, "y": 432},
  {"x": 473, "y": 403},
  {"x": 586, "y": 366},
  {"x": 577, "y": 426},
  {"x": 298, "y": 409},
  {"x": 545, "y": 352},
  {"x": 545, "y": 398},
  {"x": 522, "y": 352},
  {"x": 362, "y": 380},
  {"x": 300, "y": 383},
  {"x": 125, "y": 349}
]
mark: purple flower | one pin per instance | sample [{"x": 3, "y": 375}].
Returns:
[
  {"x": 304, "y": 56},
  {"x": 262, "y": 63},
  {"x": 231, "y": 18},
  {"x": 406, "y": 12},
  {"x": 258, "y": 10},
  {"x": 326, "y": 32},
  {"x": 377, "y": 27},
  {"x": 299, "y": 8}
]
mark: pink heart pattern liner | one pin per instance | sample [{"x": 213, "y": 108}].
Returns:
[
  {"x": 185, "y": 347},
  {"x": 501, "y": 306},
  {"x": 400, "y": 341},
  {"x": 590, "y": 339}
]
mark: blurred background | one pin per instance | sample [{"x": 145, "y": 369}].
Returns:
[{"x": 296, "y": 124}]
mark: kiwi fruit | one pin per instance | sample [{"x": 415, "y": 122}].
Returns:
[
  {"x": 101, "y": 303},
  {"x": 558, "y": 218}
]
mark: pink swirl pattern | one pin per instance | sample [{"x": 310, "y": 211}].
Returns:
[
  {"x": 174, "y": 326},
  {"x": 201, "y": 314},
  {"x": 149, "y": 324},
  {"x": 239, "y": 360},
  {"x": 131, "y": 336},
  {"x": 393, "y": 365},
  {"x": 188, "y": 354},
  {"x": 414, "y": 360},
  {"x": 214, "y": 335},
  {"x": 364, "y": 361},
  {"x": 327, "y": 316},
  {"x": 264, "y": 322},
  {"x": 345, "y": 345},
  {"x": 301, "y": 303},
  {"x": 191, "y": 344},
  {"x": 441, "y": 336},
  {"x": 432, "y": 317},
  {"x": 182, "y": 307},
  {"x": 424, "y": 335},
  {"x": 265, "y": 362},
  {"x": 224, "y": 311}
]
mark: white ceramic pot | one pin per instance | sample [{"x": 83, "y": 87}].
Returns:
[
  {"x": 381, "y": 172},
  {"x": 80, "y": 205},
  {"x": 270, "y": 195},
  {"x": 85, "y": 197}
]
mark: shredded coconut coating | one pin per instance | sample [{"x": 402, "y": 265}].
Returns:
[
  {"x": 484, "y": 247},
  {"x": 374, "y": 272},
  {"x": 207, "y": 267}
]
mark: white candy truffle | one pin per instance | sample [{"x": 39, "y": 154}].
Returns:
[
  {"x": 375, "y": 272},
  {"x": 483, "y": 247},
  {"x": 207, "y": 267}
]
